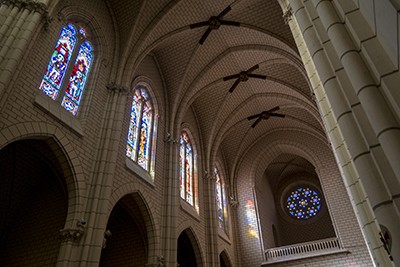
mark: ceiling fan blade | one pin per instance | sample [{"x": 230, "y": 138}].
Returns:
[
  {"x": 252, "y": 69},
  {"x": 258, "y": 76},
  {"x": 272, "y": 109},
  {"x": 234, "y": 86},
  {"x": 205, "y": 35},
  {"x": 230, "y": 23},
  {"x": 256, "y": 122},
  {"x": 224, "y": 12},
  {"x": 253, "y": 117},
  {"x": 230, "y": 77},
  {"x": 200, "y": 24},
  {"x": 277, "y": 115}
]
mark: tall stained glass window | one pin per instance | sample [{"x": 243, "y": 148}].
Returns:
[
  {"x": 303, "y": 203},
  {"x": 186, "y": 167},
  {"x": 138, "y": 147},
  {"x": 71, "y": 46},
  {"x": 221, "y": 199}
]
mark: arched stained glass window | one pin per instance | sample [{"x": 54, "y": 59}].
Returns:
[
  {"x": 303, "y": 203},
  {"x": 186, "y": 167},
  {"x": 221, "y": 199},
  {"x": 76, "y": 83},
  {"x": 68, "y": 48},
  {"x": 140, "y": 128}
]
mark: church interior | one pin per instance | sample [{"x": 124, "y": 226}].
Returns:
[{"x": 200, "y": 133}]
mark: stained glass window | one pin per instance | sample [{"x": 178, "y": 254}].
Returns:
[
  {"x": 58, "y": 64},
  {"x": 221, "y": 199},
  {"x": 68, "y": 48},
  {"x": 140, "y": 128},
  {"x": 76, "y": 83},
  {"x": 303, "y": 203},
  {"x": 186, "y": 167}
]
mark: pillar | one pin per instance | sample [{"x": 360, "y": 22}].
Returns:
[{"x": 343, "y": 132}]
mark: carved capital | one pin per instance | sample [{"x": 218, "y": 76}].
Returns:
[
  {"x": 159, "y": 263},
  {"x": 14, "y": 3},
  {"x": 287, "y": 16},
  {"x": 170, "y": 139},
  {"x": 115, "y": 88},
  {"x": 7, "y": 2},
  {"x": 107, "y": 234},
  {"x": 233, "y": 202},
  {"x": 210, "y": 177},
  {"x": 71, "y": 235}
]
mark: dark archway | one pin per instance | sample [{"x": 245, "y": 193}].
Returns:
[
  {"x": 128, "y": 243},
  {"x": 224, "y": 259},
  {"x": 33, "y": 204},
  {"x": 186, "y": 254}
]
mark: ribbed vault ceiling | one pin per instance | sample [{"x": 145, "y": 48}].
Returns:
[{"x": 193, "y": 73}]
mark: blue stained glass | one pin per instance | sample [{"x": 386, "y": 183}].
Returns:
[
  {"x": 219, "y": 199},
  {"x": 77, "y": 81},
  {"x": 58, "y": 63},
  {"x": 186, "y": 169},
  {"x": 303, "y": 203},
  {"x": 82, "y": 31},
  {"x": 140, "y": 128},
  {"x": 144, "y": 137},
  {"x": 189, "y": 174},
  {"x": 181, "y": 168}
]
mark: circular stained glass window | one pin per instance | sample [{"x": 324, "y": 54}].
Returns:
[{"x": 303, "y": 203}]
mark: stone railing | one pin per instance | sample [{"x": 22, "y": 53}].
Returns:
[{"x": 304, "y": 250}]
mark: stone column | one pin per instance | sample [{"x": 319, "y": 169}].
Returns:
[
  {"x": 329, "y": 97},
  {"x": 382, "y": 120},
  {"x": 212, "y": 258},
  {"x": 21, "y": 19},
  {"x": 169, "y": 239},
  {"x": 100, "y": 188},
  {"x": 234, "y": 215}
]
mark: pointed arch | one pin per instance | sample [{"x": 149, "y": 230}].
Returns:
[
  {"x": 224, "y": 260},
  {"x": 189, "y": 252}
]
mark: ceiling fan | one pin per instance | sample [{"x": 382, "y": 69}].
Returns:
[
  {"x": 243, "y": 76},
  {"x": 265, "y": 115},
  {"x": 214, "y": 23}
]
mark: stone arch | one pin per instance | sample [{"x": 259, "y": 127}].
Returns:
[
  {"x": 42, "y": 169},
  {"x": 224, "y": 260},
  {"x": 64, "y": 150},
  {"x": 135, "y": 204},
  {"x": 188, "y": 238}
]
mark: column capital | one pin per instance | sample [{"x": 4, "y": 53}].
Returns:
[
  {"x": 169, "y": 139},
  {"x": 73, "y": 235},
  {"x": 233, "y": 202},
  {"x": 113, "y": 87},
  {"x": 287, "y": 15},
  {"x": 209, "y": 176}
]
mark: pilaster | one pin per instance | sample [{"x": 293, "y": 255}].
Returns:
[
  {"x": 100, "y": 188},
  {"x": 211, "y": 219}
]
